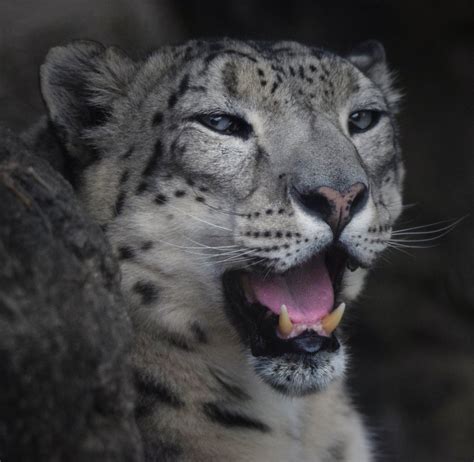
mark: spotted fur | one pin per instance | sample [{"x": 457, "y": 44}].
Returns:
[{"x": 181, "y": 204}]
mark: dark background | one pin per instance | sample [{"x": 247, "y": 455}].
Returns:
[{"x": 412, "y": 332}]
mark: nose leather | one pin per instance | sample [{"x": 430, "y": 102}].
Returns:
[
  {"x": 335, "y": 207},
  {"x": 341, "y": 205}
]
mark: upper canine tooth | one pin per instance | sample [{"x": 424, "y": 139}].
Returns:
[
  {"x": 285, "y": 326},
  {"x": 332, "y": 320}
]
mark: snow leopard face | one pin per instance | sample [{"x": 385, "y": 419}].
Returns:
[{"x": 253, "y": 183}]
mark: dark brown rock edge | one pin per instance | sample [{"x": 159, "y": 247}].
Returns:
[{"x": 65, "y": 389}]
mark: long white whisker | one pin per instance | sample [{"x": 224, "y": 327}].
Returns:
[
  {"x": 225, "y": 212},
  {"x": 233, "y": 254},
  {"x": 423, "y": 226},
  {"x": 270, "y": 267},
  {"x": 410, "y": 233},
  {"x": 398, "y": 231},
  {"x": 236, "y": 258},
  {"x": 441, "y": 232},
  {"x": 219, "y": 252},
  {"x": 421, "y": 240},
  {"x": 398, "y": 245},
  {"x": 201, "y": 245},
  {"x": 187, "y": 249},
  {"x": 407, "y": 206},
  {"x": 429, "y": 231},
  {"x": 227, "y": 254},
  {"x": 254, "y": 263},
  {"x": 400, "y": 250},
  {"x": 197, "y": 218},
  {"x": 385, "y": 259}
]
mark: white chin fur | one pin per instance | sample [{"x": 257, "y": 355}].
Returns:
[{"x": 353, "y": 283}]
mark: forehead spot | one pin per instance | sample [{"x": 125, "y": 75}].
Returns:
[
  {"x": 172, "y": 100},
  {"x": 184, "y": 85},
  {"x": 125, "y": 253},
  {"x": 147, "y": 290},
  {"x": 157, "y": 119},
  {"x": 229, "y": 78},
  {"x": 152, "y": 164},
  {"x": 161, "y": 199}
]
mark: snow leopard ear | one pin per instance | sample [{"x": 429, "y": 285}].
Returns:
[
  {"x": 369, "y": 57},
  {"x": 80, "y": 83}
]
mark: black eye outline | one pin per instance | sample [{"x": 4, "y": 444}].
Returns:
[
  {"x": 363, "y": 120},
  {"x": 226, "y": 124}
]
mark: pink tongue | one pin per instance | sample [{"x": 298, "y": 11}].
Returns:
[{"x": 306, "y": 291}]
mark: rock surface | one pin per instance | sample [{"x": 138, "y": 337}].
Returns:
[{"x": 66, "y": 391}]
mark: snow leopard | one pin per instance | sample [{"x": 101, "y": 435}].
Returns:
[{"x": 247, "y": 188}]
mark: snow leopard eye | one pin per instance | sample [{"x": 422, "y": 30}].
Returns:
[
  {"x": 361, "y": 121},
  {"x": 226, "y": 124}
]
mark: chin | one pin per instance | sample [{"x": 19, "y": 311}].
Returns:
[{"x": 290, "y": 321}]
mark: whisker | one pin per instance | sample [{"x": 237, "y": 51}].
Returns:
[
  {"x": 271, "y": 265},
  {"x": 198, "y": 219},
  {"x": 236, "y": 258},
  {"x": 385, "y": 259},
  {"x": 421, "y": 240},
  {"x": 233, "y": 254},
  {"x": 398, "y": 245},
  {"x": 407, "y": 206},
  {"x": 188, "y": 249},
  {"x": 216, "y": 252},
  {"x": 401, "y": 250},
  {"x": 452, "y": 224},
  {"x": 440, "y": 233},
  {"x": 226, "y": 212},
  {"x": 410, "y": 233},
  {"x": 254, "y": 263},
  {"x": 200, "y": 244},
  {"x": 217, "y": 209}
]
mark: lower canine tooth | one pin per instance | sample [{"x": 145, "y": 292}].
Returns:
[
  {"x": 332, "y": 320},
  {"x": 285, "y": 326}
]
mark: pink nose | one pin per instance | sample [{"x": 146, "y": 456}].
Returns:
[{"x": 336, "y": 208}]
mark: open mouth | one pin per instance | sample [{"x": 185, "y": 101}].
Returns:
[{"x": 296, "y": 312}]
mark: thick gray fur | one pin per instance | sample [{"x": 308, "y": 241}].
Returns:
[{"x": 181, "y": 204}]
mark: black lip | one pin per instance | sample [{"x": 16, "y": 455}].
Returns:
[
  {"x": 336, "y": 262},
  {"x": 257, "y": 326}
]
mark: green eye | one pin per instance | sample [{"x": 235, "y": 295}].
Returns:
[
  {"x": 226, "y": 124},
  {"x": 361, "y": 121}
]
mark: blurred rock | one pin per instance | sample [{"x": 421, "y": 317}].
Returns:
[{"x": 66, "y": 391}]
